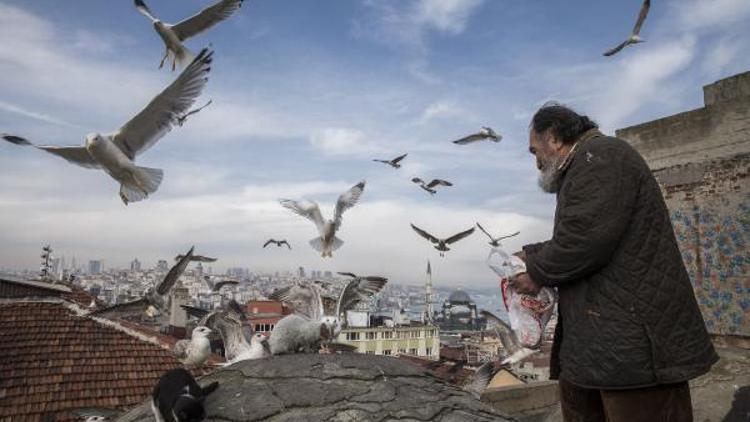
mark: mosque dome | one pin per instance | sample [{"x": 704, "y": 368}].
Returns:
[{"x": 459, "y": 297}]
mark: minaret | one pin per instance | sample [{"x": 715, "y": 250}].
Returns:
[
  {"x": 44, "y": 268},
  {"x": 428, "y": 295}
]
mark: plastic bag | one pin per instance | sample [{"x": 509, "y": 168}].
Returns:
[{"x": 528, "y": 314}]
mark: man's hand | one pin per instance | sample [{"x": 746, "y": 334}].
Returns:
[{"x": 525, "y": 285}]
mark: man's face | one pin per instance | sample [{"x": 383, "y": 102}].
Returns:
[{"x": 549, "y": 155}]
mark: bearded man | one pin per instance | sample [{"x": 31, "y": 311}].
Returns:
[{"x": 630, "y": 334}]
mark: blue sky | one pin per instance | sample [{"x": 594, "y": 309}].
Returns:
[{"x": 305, "y": 94}]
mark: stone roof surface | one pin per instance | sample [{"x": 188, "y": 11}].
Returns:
[{"x": 345, "y": 387}]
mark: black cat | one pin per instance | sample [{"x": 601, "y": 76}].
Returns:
[{"x": 178, "y": 398}]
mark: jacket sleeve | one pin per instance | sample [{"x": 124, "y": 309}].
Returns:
[{"x": 597, "y": 201}]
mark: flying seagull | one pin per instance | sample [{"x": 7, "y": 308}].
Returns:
[
  {"x": 393, "y": 163},
  {"x": 115, "y": 153},
  {"x": 495, "y": 241},
  {"x": 635, "y": 37},
  {"x": 196, "y": 258},
  {"x": 442, "y": 244},
  {"x": 155, "y": 301},
  {"x": 481, "y": 379},
  {"x": 194, "y": 352},
  {"x": 484, "y": 133},
  {"x": 215, "y": 287},
  {"x": 429, "y": 187},
  {"x": 327, "y": 242},
  {"x": 181, "y": 119},
  {"x": 515, "y": 352},
  {"x": 174, "y": 35},
  {"x": 277, "y": 243}
]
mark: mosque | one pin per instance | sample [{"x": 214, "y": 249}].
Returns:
[{"x": 459, "y": 313}]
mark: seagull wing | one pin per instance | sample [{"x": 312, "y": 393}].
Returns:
[
  {"x": 162, "y": 113},
  {"x": 481, "y": 379},
  {"x": 145, "y": 11},
  {"x": 180, "y": 349},
  {"x": 304, "y": 299},
  {"x": 424, "y": 234},
  {"x": 134, "y": 307},
  {"x": 507, "y": 336},
  {"x": 357, "y": 290},
  {"x": 616, "y": 49},
  {"x": 485, "y": 232},
  {"x": 440, "y": 182},
  {"x": 347, "y": 200},
  {"x": 284, "y": 242},
  {"x": 174, "y": 274},
  {"x": 382, "y": 161},
  {"x": 508, "y": 235},
  {"x": 399, "y": 158},
  {"x": 223, "y": 283},
  {"x": 469, "y": 139},
  {"x": 417, "y": 180},
  {"x": 194, "y": 312},
  {"x": 268, "y": 242},
  {"x": 459, "y": 236},
  {"x": 352, "y": 275},
  {"x": 641, "y": 17},
  {"x": 76, "y": 155},
  {"x": 237, "y": 309},
  {"x": 307, "y": 209},
  {"x": 206, "y": 18},
  {"x": 201, "y": 258}
]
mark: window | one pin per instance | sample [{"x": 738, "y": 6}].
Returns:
[
  {"x": 414, "y": 334},
  {"x": 402, "y": 351},
  {"x": 413, "y": 352},
  {"x": 387, "y": 352},
  {"x": 387, "y": 334},
  {"x": 428, "y": 351},
  {"x": 370, "y": 335},
  {"x": 370, "y": 352},
  {"x": 352, "y": 336}
]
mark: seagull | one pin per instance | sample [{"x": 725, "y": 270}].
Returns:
[
  {"x": 481, "y": 379},
  {"x": 236, "y": 346},
  {"x": 115, "y": 153},
  {"x": 174, "y": 35},
  {"x": 635, "y": 37},
  {"x": 515, "y": 352},
  {"x": 495, "y": 241},
  {"x": 327, "y": 242},
  {"x": 393, "y": 163},
  {"x": 484, "y": 133},
  {"x": 155, "y": 301},
  {"x": 429, "y": 186},
  {"x": 442, "y": 244},
  {"x": 181, "y": 119},
  {"x": 215, "y": 287},
  {"x": 356, "y": 290},
  {"x": 278, "y": 243},
  {"x": 196, "y": 258},
  {"x": 194, "y": 352}
]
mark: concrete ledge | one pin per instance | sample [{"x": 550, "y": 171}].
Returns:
[{"x": 528, "y": 402}]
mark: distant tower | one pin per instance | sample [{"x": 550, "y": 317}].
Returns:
[
  {"x": 428, "y": 294},
  {"x": 177, "y": 315},
  {"x": 135, "y": 265},
  {"x": 302, "y": 272},
  {"x": 162, "y": 265},
  {"x": 44, "y": 268}
]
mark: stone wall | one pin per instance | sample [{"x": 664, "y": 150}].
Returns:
[{"x": 701, "y": 159}]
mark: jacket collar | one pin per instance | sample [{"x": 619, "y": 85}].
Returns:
[{"x": 585, "y": 137}]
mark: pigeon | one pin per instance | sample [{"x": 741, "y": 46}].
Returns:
[
  {"x": 429, "y": 187},
  {"x": 216, "y": 287},
  {"x": 174, "y": 35},
  {"x": 155, "y": 301},
  {"x": 194, "y": 352},
  {"x": 278, "y": 243},
  {"x": 442, "y": 244},
  {"x": 485, "y": 133},
  {"x": 635, "y": 37},
  {"x": 197, "y": 258},
  {"x": 395, "y": 163},
  {"x": 327, "y": 242},
  {"x": 115, "y": 153},
  {"x": 515, "y": 352},
  {"x": 495, "y": 241},
  {"x": 181, "y": 119}
]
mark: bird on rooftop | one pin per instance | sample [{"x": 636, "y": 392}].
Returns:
[
  {"x": 634, "y": 37},
  {"x": 442, "y": 244},
  {"x": 430, "y": 187},
  {"x": 485, "y": 133},
  {"x": 155, "y": 301},
  {"x": 196, "y": 351},
  {"x": 327, "y": 242},
  {"x": 115, "y": 153},
  {"x": 181, "y": 119},
  {"x": 277, "y": 243},
  {"x": 395, "y": 163},
  {"x": 495, "y": 241},
  {"x": 515, "y": 351},
  {"x": 174, "y": 35}
]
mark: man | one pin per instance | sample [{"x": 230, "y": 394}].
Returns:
[{"x": 629, "y": 333}]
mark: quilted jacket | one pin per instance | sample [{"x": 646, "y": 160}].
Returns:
[{"x": 627, "y": 315}]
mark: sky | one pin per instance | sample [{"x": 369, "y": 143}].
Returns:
[{"x": 305, "y": 94}]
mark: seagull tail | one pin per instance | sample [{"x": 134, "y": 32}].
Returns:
[
  {"x": 183, "y": 56},
  {"x": 336, "y": 243},
  {"x": 149, "y": 178},
  {"x": 131, "y": 194}
]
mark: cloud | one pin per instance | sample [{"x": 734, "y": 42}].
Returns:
[
  {"x": 34, "y": 115},
  {"x": 342, "y": 141},
  {"x": 442, "y": 110},
  {"x": 710, "y": 15},
  {"x": 449, "y": 16}
]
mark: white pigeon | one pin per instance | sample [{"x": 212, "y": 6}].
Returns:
[
  {"x": 115, "y": 153},
  {"x": 194, "y": 352},
  {"x": 484, "y": 133},
  {"x": 515, "y": 352},
  {"x": 174, "y": 35},
  {"x": 327, "y": 242},
  {"x": 635, "y": 36}
]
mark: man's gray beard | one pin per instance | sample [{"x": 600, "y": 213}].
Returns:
[{"x": 549, "y": 176}]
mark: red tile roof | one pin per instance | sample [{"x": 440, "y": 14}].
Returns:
[{"x": 53, "y": 361}]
